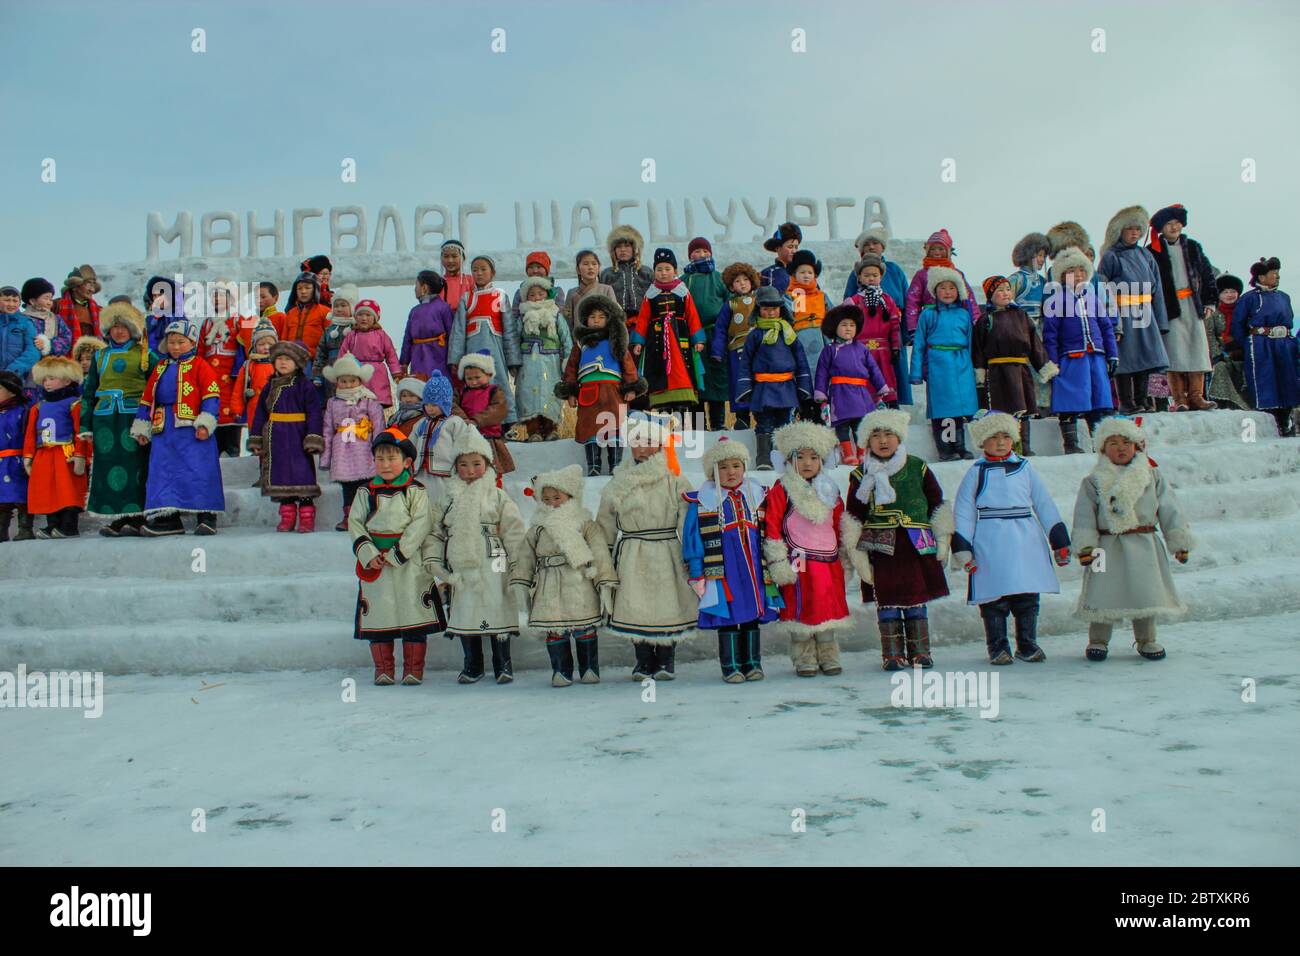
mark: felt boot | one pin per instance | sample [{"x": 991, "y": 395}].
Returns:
[
  {"x": 730, "y": 654},
  {"x": 752, "y": 664},
  {"x": 471, "y": 671},
  {"x": 503, "y": 668},
  {"x": 803, "y": 653},
  {"x": 665, "y": 661},
  {"x": 944, "y": 447},
  {"x": 561, "y": 656},
  {"x": 1026, "y": 614},
  {"x": 588, "y": 659},
  {"x": 893, "y": 655},
  {"x": 828, "y": 655},
  {"x": 306, "y": 519},
  {"x": 593, "y": 459},
  {"x": 24, "y": 525},
  {"x": 917, "y": 634},
  {"x": 413, "y": 661},
  {"x": 1070, "y": 435},
  {"x": 995, "y": 633},
  {"x": 613, "y": 455},
  {"x": 381, "y": 652},
  {"x": 763, "y": 442},
  {"x": 645, "y": 660}
]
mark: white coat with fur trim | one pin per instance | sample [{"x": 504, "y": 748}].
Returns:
[{"x": 564, "y": 562}]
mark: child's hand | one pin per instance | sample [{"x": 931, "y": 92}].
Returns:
[
  {"x": 142, "y": 439},
  {"x": 27, "y": 465},
  {"x": 699, "y": 346},
  {"x": 1086, "y": 557},
  {"x": 627, "y": 397},
  {"x": 78, "y": 465},
  {"x": 1062, "y": 557},
  {"x": 201, "y": 433},
  {"x": 1181, "y": 556},
  {"x": 636, "y": 350},
  {"x": 376, "y": 563},
  {"x": 1111, "y": 365},
  {"x": 573, "y": 401},
  {"x": 698, "y": 586}
]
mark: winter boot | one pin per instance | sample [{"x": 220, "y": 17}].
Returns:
[
  {"x": 306, "y": 519},
  {"x": 1098, "y": 641},
  {"x": 1070, "y": 435},
  {"x": 561, "y": 656},
  {"x": 343, "y": 524},
  {"x": 588, "y": 659},
  {"x": 132, "y": 526},
  {"x": 1177, "y": 391},
  {"x": 592, "y": 451},
  {"x": 665, "y": 661},
  {"x": 288, "y": 515},
  {"x": 206, "y": 524},
  {"x": 413, "y": 661},
  {"x": 944, "y": 448},
  {"x": 645, "y": 660},
  {"x": 751, "y": 664},
  {"x": 995, "y": 633},
  {"x": 502, "y": 667},
  {"x": 1124, "y": 386},
  {"x": 917, "y": 631},
  {"x": 1196, "y": 393},
  {"x": 828, "y": 655},
  {"x": 849, "y": 453},
  {"x": 1144, "y": 633},
  {"x": 763, "y": 442},
  {"x": 24, "y": 525},
  {"x": 1026, "y": 615},
  {"x": 472, "y": 671},
  {"x": 6, "y": 516},
  {"x": 729, "y": 654},
  {"x": 803, "y": 653},
  {"x": 381, "y": 652},
  {"x": 163, "y": 525},
  {"x": 893, "y": 656},
  {"x": 613, "y": 455},
  {"x": 959, "y": 442}
]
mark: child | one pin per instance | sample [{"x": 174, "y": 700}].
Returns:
[
  {"x": 784, "y": 242},
  {"x": 18, "y": 351},
  {"x": 285, "y": 431},
  {"x": 320, "y": 266},
  {"x": 268, "y": 304},
  {"x": 801, "y": 526},
  {"x": 897, "y": 531},
  {"x": 941, "y": 357},
  {"x": 475, "y": 543},
  {"x": 1187, "y": 280},
  {"x": 457, "y": 285},
  {"x": 626, "y": 276},
  {"x": 1263, "y": 326},
  {"x": 563, "y": 573},
  {"x": 893, "y": 281},
  {"x": 331, "y": 342},
  {"x": 938, "y": 255},
  {"x": 254, "y": 374},
  {"x": 599, "y": 378},
  {"x": 485, "y": 323},
  {"x": 1006, "y": 351},
  {"x": 667, "y": 338},
  {"x": 53, "y": 336},
  {"x": 537, "y": 265},
  {"x": 544, "y": 345},
  {"x": 55, "y": 453},
  {"x": 709, "y": 293},
  {"x": 1002, "y": 511},
  {"x": 305, "y": 318},
  {"x": 13, "y": 476},
  {"x": 642, "y": 510},
  {"x": 219, "y": 346},
  {"x": 881, "y": 326},
  {"x": 848, "y": 380},
  {"x": 353, "y": 418},
  {"x": 1138, "y": 306},
  {"x": 424, "y": 343},
  {"x": 1226, "y": 379},
  {"x": 774, "y": 377},
  {"x": 1027, "y": 282},
  {"x": 587, "y": 264},
  {"x": 370, "y": 345},
  {"x": 807, "y": 304},
  {"x": 165, "y": 302},
  {"x": 409, "y": 408},
  {"x": 83, "y": 352},
  {"x": 176, "y": 417},
  {"x": 436, "y": 434},
  {"x": 1080, "y": 340},
  {"x": 1115, "y": 517},
  {"x": 483, "y": 404},
  {"x": 722, "y": 543},
  {"x": 731, "y": 328},
  {"x": 396, "y": 596},
  {"x": 110, "y": 398}
]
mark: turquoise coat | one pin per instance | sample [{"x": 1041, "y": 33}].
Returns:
[{"x": 941, "y": 357}]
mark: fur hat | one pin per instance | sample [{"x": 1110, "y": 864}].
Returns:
[
  {"x": 35, "y": 288},
  {"x": 83, "y": 276},
  {"x": 540, "y": 282},
  {"x": 790, "y": 438},
  {"x": 724, "y": 449},
  {"x": 804, "y": 257},
  {"x": 878, "y": 234},
  {"x": 741, "y": 269},
  {"x": 985, "y": 427},
  {"x": 893, "y": 420},
  {"x": 1228, "y": 281},
  {"x": 784, "y": 233},
  {"x": 771, "y": 295},
  {"x": 56, "y": 366},
  {"x": 122, "y": 313},
  {"x": 1072, "y": 258},
  {"x": 1127, "y": 217},
  {"x": 1066, "y": 234},
  {"x": 472, "y": 442},
  {"x": 11, "y": 382},
  {"x": 568, "y": 480},
  {"x": 937, "y": 274},
  {"x": 543, "y": 259},
  {"x": 175, "y": 304},
  {"x": 414, "y": 385},
  {"x": 180, "y": 325},
  {"x": 1023, "y": 252},
  {"x": 92, "y": 342},
  {"x": 870, "y": 259},
  {"x": 348, "y": 293},
  {"x": 437, "y": 391},
  {"x": 348, "y": 365},
  {"x": 833, "y": 318},
  {"x": 292, "y": 350},
  {"x": 1168, "y": 214},
  {"x": 395, "y": 438},
  {"x": 648, "y": 428},
  {"x": 615, "y": 330},
  {"x": 1121, "y": 426},
  {"x": 481, "y": 359},
  {"x": 263, "y": 330},
  {"x": 625, "y": 233},
  {"x": 317, "y": 263},
  {"x": 1262, "y": 267},
  {"x": 664, "y": 254}
]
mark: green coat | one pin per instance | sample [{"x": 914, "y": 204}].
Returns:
[
  {"x": 110, "y": 396},
  {"x": 710, "y": 295}
]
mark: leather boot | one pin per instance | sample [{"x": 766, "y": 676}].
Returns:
[
  {"x": 381, "y": 652},
  {"x": 943, "y": 447},
  {"x": 1177, "y": 391},
  {"x": 206, "y": 523},
  {"x": 1124, "y": 386},
  {"x": 995, "y": 632},
  {"x": 1196, "y": 393},
  {"x": 25, "y": 532},
  {"x": 413, "y": 661},
  {"x": 471, "y": 671},
  {"x": 893, "y": 656},
  {"x": 1025, "y": 450},
  {"x": 588, "y": 659},
  {"x": 665, "y": 661},
  {"x": 1070, "y": 434},
  {"x": 613, "y": 455},
  {"x": 288, "y": 516},
  {"x": 306, "y": 519},
  {"x": 763, "y": 442},
  {"x": 593, "y": 459},
  {"x": 502, "y": 667},
  {"x": 828, "y": 655},
  {"x": 6, "y": 517},
  {"x": 752, "y": 665},
  {"x": 162, "y": 525},
  {"x": 917, "y": 631},
  {"x": 730, "y": 654},
  {"x": 1025, "y": 610},
  {"x": 645, "y": 660},
  {"x": 959, "y": 442},
  {"x": 561, "y": 656},
  {"x": 849, "y": 454},
  {"x": 343, "y": 524}
]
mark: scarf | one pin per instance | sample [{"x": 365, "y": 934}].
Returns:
[
  {"x": 880, "y": 470},
  {"x": 873, "y": 296},
  {"x": 1119, "y": 488},
  {"x": 701, "y": 266},
  {"x": 539, "y": 317},
  {"x": 564, "y": 524},
  {"x": 666, "y": 286},
  {"x": 1226, "y": 310},
  {"x": 814, "y": 300},
  {"x": 775, "y": 328},
  {"x": 49, "y": 321},
  {"x": 815, "y": 499},
  {"x": 353, "y": 395},
  {"x": 466, "y": 550},
  {"x": 406, "y": 411},
  {"x": 946, "y": 262},
  {"x": 343, "y": 320}
]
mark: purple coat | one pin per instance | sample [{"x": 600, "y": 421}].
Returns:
[
  {"x": 287, "y": 444},
  {"x": 347, "y": 452},
  {"x": 848, "y": 401},
  {"x": 424, "y": 346}
]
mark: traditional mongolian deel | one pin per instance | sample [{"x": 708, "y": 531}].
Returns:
[
  {"x": 668, "y": 328},
  {"x": 287, "y": 430}
]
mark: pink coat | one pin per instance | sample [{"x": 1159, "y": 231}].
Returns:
[
  {"x": 349, "y": 430},
  {"x": 374, "y": 348}
]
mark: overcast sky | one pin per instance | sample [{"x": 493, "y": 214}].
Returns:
[{"x": 1040, "y": 127}]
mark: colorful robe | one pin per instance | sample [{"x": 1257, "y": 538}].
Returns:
[
  {"x": 286, "y": 431},
  {"x": 110, "y": 398},
  {"x": 184, "y": 471}
]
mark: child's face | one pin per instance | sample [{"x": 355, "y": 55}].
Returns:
[
  {"x": 481, "y": 269},
  {"x": 263, "y": 346},
  {"x": 553, "y": 497},
  {"x": 874, "y": 247},
  {"x": 936, "y": 250},
  {"x": 946, "y": 293},
  {"x": 998, "y": 446},
  {"x": 54, "y": 383},
  {"x": 476, "y": 377},
  {"x": 883, "y": 444},
  {"x": 323, "y": 277},
  {"x": 1130, "y": 234},
  {"x": 596, "y": 319},
  {"x": 643, "y": 452},
  {"x": 807, "y": 463},
  {"x": 284, "y": 365},
  {"x": 389, "y": 462},
  {"x": 805, "y": 274},
  {"x": 769, "y": 311},
  {"x": 1172, "y": 230},
  {"x": 264, "y": 298},
  {"x": 623, "y": 250},
  {"x": 364, "y": 320},
  {"x": 741, "y": 285},
  {"x": 1072, "y": 279},
  {"x": 1229, "y": 296},
  {"x": 303, "y": 292},
  {"x": 471, "y": 467},
  {"x": 699, "y": 254},
  {"x": 84, "y": 358},
  {"x": 1038, "y": 260},
  {"x": 220, "y": 302},
  {"x": 451, "y": 260},
  {"x": 44, "y": 301},
  {"x": 1119, "y": 451},
  {"x": 178, "y": 345},
  {"x": 119, "y": 334},
  {"x": 5, "y": 394},
  {"x": 786, "y": 250},
  {"x": 430, "y": 411},
  {"x": 536, "y": 293},
  {"x": 348, "y": 381},
  {"x": 1002, "y": 295},
  {"x": 847, "y": 330},
  {"x": 664, "y": 271},
  {"x": 731, "y": 473},
  {"x": 869, "y": 275},
  {"x": 535, "y": 269},
  {"x": 588, "y": 269},
  {"x": 8, "y": 303},
  {"x": 342, "y": 308}
]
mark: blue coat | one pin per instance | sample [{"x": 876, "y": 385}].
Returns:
[
  {"x": 941, "y": 357},
  {"x": 778, "y": 358},
  {"x": 1271, "y": 365},
  {"x": 13, "y": 479},
  {"x": 775, "y": 275},
  {"x": 1139, "y": 325},
  {"x": 18, "y": 351},
  {"x": 184, "y": 472},
  {"x": 1080, "y": 341},
  {"x": 742, "y": 553}
]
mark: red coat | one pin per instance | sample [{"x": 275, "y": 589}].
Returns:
[
  {"x": 221, "y": 347},
  {"x": 305, "y": 325},
  {"x": 53, "y": 485},
  {"x": 253, "y": 375},
  {"x": 816, "y": 598},
  {"x": 668, "y": 328}
]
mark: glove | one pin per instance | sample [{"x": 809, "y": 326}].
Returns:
[
  {"x": 1086, "y": 557},
  {"x": 963, "y": 561},
  {"x": 1062, "y": 557},
  {"x": 1111, "y": 365},
  {"x": 699, "y": 587},
  {"x": 78, "y": 465},
  {"x": 819, "y": 396}
]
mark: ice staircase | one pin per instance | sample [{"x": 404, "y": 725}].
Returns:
[{"x": 250, "y": 599}]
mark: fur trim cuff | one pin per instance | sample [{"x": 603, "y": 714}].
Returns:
[
  {"x": 799, "y": 631},
  {"x": 942, "y": 525},
  {"x": 205, "y": 420},
  {"x": 1180, "y": 539},
  {"x": 857, "y": 561},
  {"x": 313, "y": 444},
  {"x": 140, "y": 428},
  {"x": 778, "y": 562},
  {"x": 1048, "y": 372},
  {"x": 1116, "y": 615}
]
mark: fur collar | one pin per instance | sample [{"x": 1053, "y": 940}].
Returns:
[
  {"x": 630, "y": 479},
  {"x": 353, "y": 396},
  {"x": 464, "y": 520},
  {"x": 614, "y": 330},
  {"x": 1119, "y": 489},
  {"x": 564, "y": 524},
  {"x": 539, "y": 317},
  {"x": 809, "y": 497}
]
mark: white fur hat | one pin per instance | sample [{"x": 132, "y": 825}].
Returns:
[
  {"x": 878, "y": 234},
  {"x": 349, "y": 293},
  {"x": 415, "y": 386},
  {"x": 790, "y": 438},
  {"x": 480, "y": 360},
  {"x": 994, "y": 423},
  {"x": 724, "y": 449},
  {"x": 1068, "y": 259},
  {"x": 1118, "y": 425},
  {"x": 543, "y": 282},
  {"x": 936, "y": 274},
  {"x": 471, "y": 442},
  {"x": 568, "y": 480},
  {"x": 884, "y": 419},
  {"x": 648, "y": 428},
  {"x": 348, "y": 365}
]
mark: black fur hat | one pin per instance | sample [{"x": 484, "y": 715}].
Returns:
[
  {"x": 831, "y": 323},
  {"x": 1227, "y": 281},
  {"x": 784, "y": 233},
  {"x": 804, "y": 257}
]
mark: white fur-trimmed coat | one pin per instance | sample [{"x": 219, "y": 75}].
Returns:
[{"x": 564, "y": 596}]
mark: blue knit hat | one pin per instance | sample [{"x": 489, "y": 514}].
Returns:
[{"x": 437, "y": 391}]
